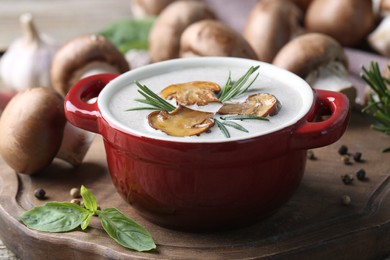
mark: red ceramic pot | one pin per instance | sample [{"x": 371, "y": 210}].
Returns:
[{"x": 206, "y": 185}]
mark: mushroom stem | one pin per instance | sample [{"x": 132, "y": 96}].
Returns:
[
  {"x": 75, "y": 144},
  {"x": 334, "y": 77}
]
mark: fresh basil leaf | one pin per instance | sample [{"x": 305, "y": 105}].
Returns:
[
  {"x": 125, "y": 231},
  {"x": 86, "y": 220},
  {"x": 129, "y": 34},
  {"x": 54, "y": 217},
  {"x": 89, "y": 199}
]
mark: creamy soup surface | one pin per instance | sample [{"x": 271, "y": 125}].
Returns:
[{"x": 136, "y": 121}]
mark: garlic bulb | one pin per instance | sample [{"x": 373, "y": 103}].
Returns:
[{"x": 27, "y": 61}]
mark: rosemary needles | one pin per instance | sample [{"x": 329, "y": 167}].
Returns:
[
  {"x": 237, "y": 88},
  {"x": 379, "y": 101}
]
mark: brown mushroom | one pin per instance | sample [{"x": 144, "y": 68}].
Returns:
[
  {"x": 302, "y": 4},
  {"x": 192, "y": 93},
  {"x": 347, "y": 21},
  {"x": 379, "y": 38},
  {"x": 33, "y": 130},
  {"x": 85, "y": 55},
  {"x": 164, "y": 37},
  {"x": 320, "y": 60},
  {"x": 271, "y": 24},
  {"x": 145, "y": 8},
  {"x": 261, "y": 104},
  {"x": 213, "y": 38},
  {"x": 181, "y": 122}
]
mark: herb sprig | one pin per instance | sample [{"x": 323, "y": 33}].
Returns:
[
  {"x": 379, "y": 101},
  {"x": 237, "y": 88},
  {"x": 230, "y": 90},
  {"x": 67, "y": 216},
  {"x": 155, "y": 101}
]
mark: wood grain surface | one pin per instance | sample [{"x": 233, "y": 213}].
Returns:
[{"x": 312, "y": 224}]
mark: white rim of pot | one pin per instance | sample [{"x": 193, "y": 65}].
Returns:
[{"x": 285, "y": 77}]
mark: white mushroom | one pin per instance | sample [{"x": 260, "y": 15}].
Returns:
[
  {"x": 271, "y": 24},
  {"x": 379, "y": 39},
  {"x": 164, "y": 37},
  {"x": 320, "y": 60},
  {"x": 213, "y": 38},
  {"x": 347, "y": 21}
]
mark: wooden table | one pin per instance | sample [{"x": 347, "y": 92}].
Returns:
[{"x": 312, "y": 225}]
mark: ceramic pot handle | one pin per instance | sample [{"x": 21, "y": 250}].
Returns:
[
  {"x": 317, "y": 134},
  {"x": 77, "y": 109}
]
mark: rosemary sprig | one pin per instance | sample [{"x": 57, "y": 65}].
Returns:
[
  {"x": 152, "y": 99},
  {"x": 379, "y": 102},
  {"x": 223, "y": 128},
  {"x": 235, "y": 126},
  {"x": 245, "y": 117},
  {"x": 235, "y": 89}
]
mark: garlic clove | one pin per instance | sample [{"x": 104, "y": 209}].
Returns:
[{"x": 27, "y": 61}]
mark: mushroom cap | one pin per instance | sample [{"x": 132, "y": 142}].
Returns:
[
  {"x": 302, "y": 4},
  {"x": 164, "y": 36},
  {"x": 308, "y": 52},
  {"x": 347, "y": 21},
  {"x": 271, "y": 24},
  {"x": 260, "y": 104},
  {"x": 190, "y": 93},
  {"x": 213, "y": 38},
  {"x": 144, "y": 8},
  {"x": 31, "y": 129},
  {"x": 182, "y": 121},
  {"x": 81, "y": 54}
]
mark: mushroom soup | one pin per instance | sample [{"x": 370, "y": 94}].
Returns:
[{"x": 288, "y": 92}]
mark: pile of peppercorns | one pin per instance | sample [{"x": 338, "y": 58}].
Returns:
[
  {"x": 40, "y": 194},
  {"x": 346, "y": 178}
]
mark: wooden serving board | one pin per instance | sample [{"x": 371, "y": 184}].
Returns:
[{"x": 313, "y": 224}]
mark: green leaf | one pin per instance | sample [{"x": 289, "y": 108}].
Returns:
[
  {"x": 235, "y": 126},
  {"x": 89, "y": 199},
  {"x": 235, "y": 89},
  {"x": 54, "y": 217},
  {"x": 129, "y": 34},
  {"x": 125, "y": 231},
  {"x": 244, "y": 117},
  {"x": 86, "y": 220},
  {"x": 223, "y": 128}
]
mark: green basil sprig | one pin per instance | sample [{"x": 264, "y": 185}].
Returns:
[{"x": 66, "y": 216}]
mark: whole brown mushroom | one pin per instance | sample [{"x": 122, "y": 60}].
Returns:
[
  {"x": 164, "y": 37},
  {"x": 347, "y": 21},
  {"x": 213, "y": 38},
  {"x": 302, "y": 4},
  {"x": 82, "y": 56},
  {"x": 320, "y": 60},
  {"x": 271, "y": 24},
  {"x": 34, "y": 130},
  {"x": 31, "y": 129},
  {"x": 145, "y": 8}
]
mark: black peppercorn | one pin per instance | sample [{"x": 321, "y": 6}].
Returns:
[
  {"x": 311, "y": 155},
  {"x": 343, "y": 150},
  {"x": 347, "y": 179},
  {"x": 40, "y": 193},
  {"x": 361, "y": 174},
  {"x": 357, "y": 157}
]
